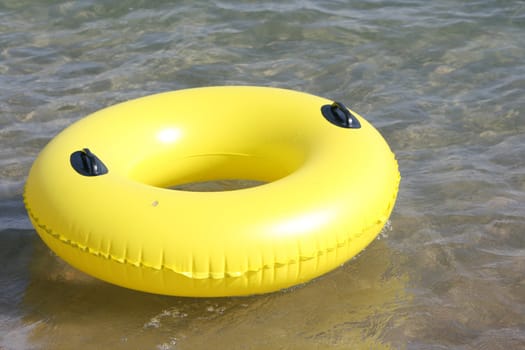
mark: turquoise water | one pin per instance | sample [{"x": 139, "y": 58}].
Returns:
[{"x": 444, "y": 82}]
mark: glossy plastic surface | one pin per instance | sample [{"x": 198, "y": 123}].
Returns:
[{"x": 328, "y": 192}]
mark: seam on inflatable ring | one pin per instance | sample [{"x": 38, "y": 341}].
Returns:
[{"x": 213, "y": 275}]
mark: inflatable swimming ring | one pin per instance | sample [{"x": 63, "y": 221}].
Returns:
[{"x": 101, "y": 195}]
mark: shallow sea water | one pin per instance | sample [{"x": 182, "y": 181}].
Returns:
[{"x": 444, "y": 82}]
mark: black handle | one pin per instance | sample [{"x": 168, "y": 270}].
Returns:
[
  {"x": 87, "y": 164},
  {"x": 339, "y": 115}
]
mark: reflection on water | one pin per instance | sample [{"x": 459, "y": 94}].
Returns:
[
  {"x": 352, "y": 306},
  {"x": 15, "y": 259},
  {"x": 442, "y": 81}
]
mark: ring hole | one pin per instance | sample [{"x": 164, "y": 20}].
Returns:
[
  {"x": 218, "y": 185},
  {"x": 216, "y": 172}
]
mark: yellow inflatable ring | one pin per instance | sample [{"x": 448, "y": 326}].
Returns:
[{"x": 100, "y": 193}]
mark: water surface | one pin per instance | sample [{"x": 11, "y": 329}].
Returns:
[{"x": 442, "y": 80}]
